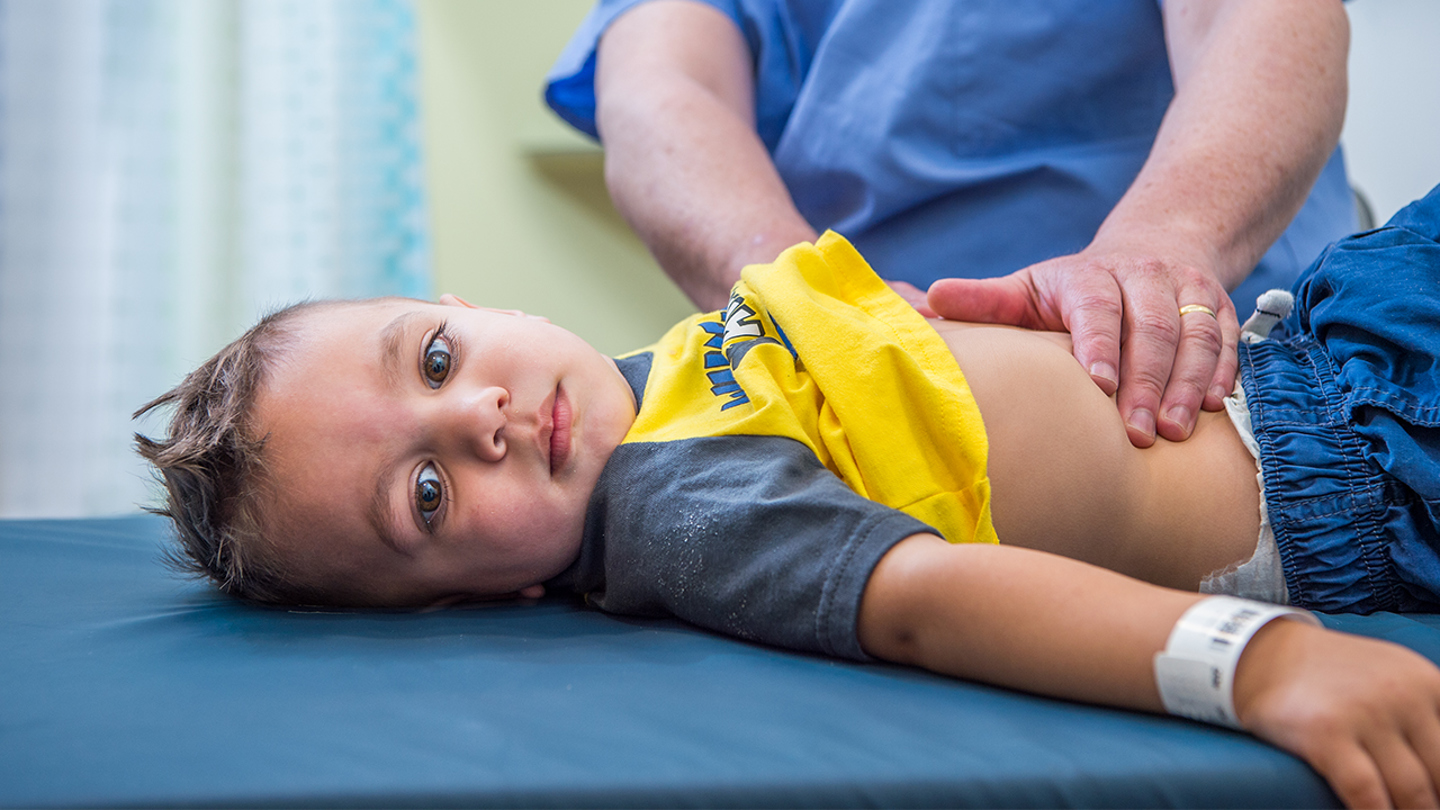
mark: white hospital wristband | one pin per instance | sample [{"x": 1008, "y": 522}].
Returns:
[{"x": 1196, "y": 672}]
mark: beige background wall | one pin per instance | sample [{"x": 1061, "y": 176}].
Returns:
[{"x": 518, "y": 206}]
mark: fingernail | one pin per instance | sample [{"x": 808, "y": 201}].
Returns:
[
  {"x": 1104, "y": 371},
  {"x": 1179, "y": 415},
  {"x": 1219, "y": 392},
  {"x": 1143, "y": 422}
]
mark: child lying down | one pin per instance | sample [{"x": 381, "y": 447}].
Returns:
[{"x": 810, "y": 468}]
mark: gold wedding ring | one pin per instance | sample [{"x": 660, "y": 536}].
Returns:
[{"x": 1189, "y": 308}]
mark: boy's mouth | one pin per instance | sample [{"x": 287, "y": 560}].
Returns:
[{"x": 560, "y": 420}]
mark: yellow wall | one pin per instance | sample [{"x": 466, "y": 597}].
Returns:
[{"x": 520, "y": 217}]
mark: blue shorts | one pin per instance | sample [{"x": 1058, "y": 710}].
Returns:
[{"x": 1345, "y": 403}]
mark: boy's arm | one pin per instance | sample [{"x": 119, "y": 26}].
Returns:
[{"x": 1364, "y": 713}]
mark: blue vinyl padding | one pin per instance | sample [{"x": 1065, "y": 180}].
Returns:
[{"x": 121, "y": 684}]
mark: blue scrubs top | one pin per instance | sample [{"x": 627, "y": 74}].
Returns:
[{"x": 949, "y": 138}]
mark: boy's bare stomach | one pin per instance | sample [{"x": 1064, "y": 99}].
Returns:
[{"x": 1066, "y": 479}]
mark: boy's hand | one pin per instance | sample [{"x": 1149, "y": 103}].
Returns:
[{"x": 1364, "y": 713}]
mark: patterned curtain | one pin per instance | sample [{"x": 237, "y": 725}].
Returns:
[{"x": 170, "y": 170}]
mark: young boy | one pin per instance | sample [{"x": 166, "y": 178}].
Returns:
[{"x": 785, "y": 471}]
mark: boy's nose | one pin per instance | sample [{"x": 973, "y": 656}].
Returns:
[{"x": 476, "y": 420}]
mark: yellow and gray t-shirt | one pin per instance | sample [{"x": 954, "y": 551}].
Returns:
[{"x": 782, "y": 446}]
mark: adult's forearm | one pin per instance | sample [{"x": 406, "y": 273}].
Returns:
[
  {"x": 698, "y": 187},
  {"x": 1260, "y": 99},
  {"x": 682, "y": 160}
]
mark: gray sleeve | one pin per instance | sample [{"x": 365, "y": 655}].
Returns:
[{"x": 745, "y": 535}]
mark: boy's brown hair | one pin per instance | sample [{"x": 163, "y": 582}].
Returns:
[{"x": 213, "y": 467}]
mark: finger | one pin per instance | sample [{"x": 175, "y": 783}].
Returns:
[
  {"x": 1192, "y": 375},
  {"x": 1093, "y": 306},
  {"x": 1424, "y": 736},
  {"x": 913, "y": 296},
  {"x": 1227, "y": 365},
  {"x": 1405, "y": 776},
  {"x": 1354, "y": 777},
  {"x": 1008, "y": 299},
  {"x": 1152, "y": 335}
]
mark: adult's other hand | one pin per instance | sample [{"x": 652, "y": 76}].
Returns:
[
  {"x": 1122, "y": 307},
  {"x": 1210, "y": 200}
]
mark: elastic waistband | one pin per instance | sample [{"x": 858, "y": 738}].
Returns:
[{"x": 1327, "y": 503}]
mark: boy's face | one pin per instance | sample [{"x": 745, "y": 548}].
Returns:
[{"x": 422, "y": 451}]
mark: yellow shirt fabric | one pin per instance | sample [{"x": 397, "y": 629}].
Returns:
[{"x": 817, "y": 348}]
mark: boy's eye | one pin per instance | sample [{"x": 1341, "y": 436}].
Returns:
[
  {"x": 428, "y": 493},
  {"x": 436, "y": 365}
]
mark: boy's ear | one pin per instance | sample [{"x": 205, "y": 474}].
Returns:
[
  {"x": 451, "y": 300},
  {"x": 530, "y": 592}
]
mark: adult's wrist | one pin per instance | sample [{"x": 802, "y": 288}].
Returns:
[
  {"x": 1167, "y": 242},
  {"x": 767, "y": 242},
  {"x": 1178, "y": 232}
]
